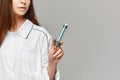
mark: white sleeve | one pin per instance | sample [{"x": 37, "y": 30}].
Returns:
[{"x": 45, "y": 52}]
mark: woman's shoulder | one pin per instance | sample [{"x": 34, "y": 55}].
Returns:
[{"x": 42, "y": 30}]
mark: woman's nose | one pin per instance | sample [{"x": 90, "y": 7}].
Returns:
[{"x": 23, "y": 2}]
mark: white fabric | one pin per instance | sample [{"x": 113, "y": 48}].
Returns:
[{"x": 24, "y": 54}]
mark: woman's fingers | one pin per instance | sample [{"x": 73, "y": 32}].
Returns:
[
  {"x": 60, "y": 55},
  {"x": 60, "y": 44},
  {"x": 53, "y": 49},
  {"x": 57, "y": 53},
  {"x": 54, "y": 43}
]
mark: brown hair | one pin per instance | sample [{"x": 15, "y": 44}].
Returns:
[{"x": 7, "y": 18}]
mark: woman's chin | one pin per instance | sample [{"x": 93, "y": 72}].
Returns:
[{"x": 20, "y": 14}]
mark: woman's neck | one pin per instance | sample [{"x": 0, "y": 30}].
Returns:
[{"x": 19, "y": 22}]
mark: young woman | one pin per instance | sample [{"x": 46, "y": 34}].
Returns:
[{"x": 27, "y": 51}]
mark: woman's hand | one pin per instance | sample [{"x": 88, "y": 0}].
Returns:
[{"x": 56, "y": 53}]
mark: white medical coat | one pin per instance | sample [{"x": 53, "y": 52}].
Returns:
[{"x": 24, "y": 53}]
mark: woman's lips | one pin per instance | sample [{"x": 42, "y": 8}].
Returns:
[{"x": 22, "y": 8}]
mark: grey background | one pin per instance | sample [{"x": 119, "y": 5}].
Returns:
[{"x": 92, "y": 41}]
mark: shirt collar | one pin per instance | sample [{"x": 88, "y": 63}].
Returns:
[{"x": 25, "y": 29}]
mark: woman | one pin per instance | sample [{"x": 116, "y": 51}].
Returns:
[{"x": 26, "y": 52}]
